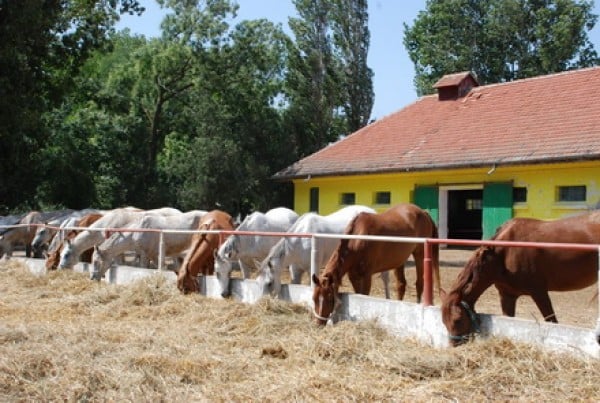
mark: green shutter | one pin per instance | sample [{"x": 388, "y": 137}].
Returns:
[
  {"x": 427, "y": 197},
  {"x": 497, "y": 207}
]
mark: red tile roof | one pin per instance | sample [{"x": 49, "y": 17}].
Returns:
[
  {"x": 453, "y": 79},
  {"x": 543, "y": 119}
]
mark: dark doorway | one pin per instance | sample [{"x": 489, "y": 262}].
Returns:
[{"x": 464, "y": 214}]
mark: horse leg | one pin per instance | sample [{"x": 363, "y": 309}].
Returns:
[
  {"x": 385, "y": 279},
  {"x": 296, "y": 274},
  {"x": 400, "y": 282},
  {"x": 245, "y": 269},
  {"x": 542, "y": 300},
  {"x": 508, "y": 302},
  {"x": 360, "y": 283},
  {"x": 419, "y": 256}
]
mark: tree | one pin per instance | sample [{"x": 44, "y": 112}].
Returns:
[
  {"x": 499, "y": 40},
  {"x": 351, "y": 37},
  {"x": 313, "y": 82},
  {"x": 221, "y": 154},
  {"x": 42, "y": 46},
  {"x": 329, "y": 85}
]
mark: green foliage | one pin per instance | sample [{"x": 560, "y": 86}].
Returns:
[
  {"x": 200, "y": 118},
  {"x": 42, "y": 46},
  {"x": 499, "y": 40}
]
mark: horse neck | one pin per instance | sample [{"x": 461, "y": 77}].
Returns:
[
  {"x": 116, "y": 244},
  {"x": 193, "y": 262},
  {"x": 470, "y": 291},
  {"x": 336, "y": 269}
]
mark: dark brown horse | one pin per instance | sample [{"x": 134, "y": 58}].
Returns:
[
  {"x": 200, "y": 256},
  {"x": 54, "y": 255},
  {"x": 361, "y": 258},
  {"x": 517, "y": 271}
]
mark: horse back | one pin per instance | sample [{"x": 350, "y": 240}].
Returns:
[{"x": 554, "y": 268}]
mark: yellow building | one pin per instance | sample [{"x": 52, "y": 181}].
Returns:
[{"x": 473, "y": 156}]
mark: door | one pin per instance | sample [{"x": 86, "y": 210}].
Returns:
[
  {"x": 497, "y": 206},
  {"x": 464, "y": 214},
  {"x": 427, "y": 197}
]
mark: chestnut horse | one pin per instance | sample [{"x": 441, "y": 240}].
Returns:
[
  {"x": 517, "y": 271},
  {"x": 200, "y": 256},
  {"x": 54, "y": 255},
  {"x": 362, "y": 258}
]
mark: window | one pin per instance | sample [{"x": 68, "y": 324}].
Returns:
[
  {"x": 473, "y": 204},
  {"x": 314, "y": 200},
  {"x": 383, "y": 197},
  {"x": 571, "y": 193},
  {"x": 347, "y": 198},
  {"x": 519, "y": 195}
]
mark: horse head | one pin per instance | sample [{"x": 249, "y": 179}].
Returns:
[
  {"x": 325, "y": 297},
  {"x": 458, "y": 305},
  {"x": 459, "y": 317},
  {"x": 99, "y": 263},
  {"x": 186, "y": 283},
  {"x": 222, "y": 271},
  {"x": 229, "y": 249},
  {"x": 269, "y": 277},
  {"x": 52, "y": 259},
  {"x": 67, "y": 257}
]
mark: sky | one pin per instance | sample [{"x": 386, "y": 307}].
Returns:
[{"x": 393, "y": 71}]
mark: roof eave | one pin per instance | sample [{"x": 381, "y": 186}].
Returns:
[{"x": 435, "y": 167}]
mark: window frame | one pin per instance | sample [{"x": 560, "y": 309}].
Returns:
[{"x": 344, "y": 195}]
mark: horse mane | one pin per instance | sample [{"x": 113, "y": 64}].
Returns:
[{"x": 469, "y": 274}]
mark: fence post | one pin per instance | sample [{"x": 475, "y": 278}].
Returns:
[
  {"x": 161, "y": 250},
  {"x": 427, "y": 286},
  {"x": 313, "y": 260}
]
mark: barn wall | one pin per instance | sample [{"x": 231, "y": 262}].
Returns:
[{"x": 541, "y": 182}]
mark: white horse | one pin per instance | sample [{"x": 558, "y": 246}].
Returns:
[
  {"x": 94, "y": 235},
  {"x": 45, "y": 234},
  {"x": 294, "y": 252},
  {"x": 146, "y": 244},
  {"x": 250, "y": 250}
]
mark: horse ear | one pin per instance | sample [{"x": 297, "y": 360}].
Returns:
[{"x": 315, "y": 279}]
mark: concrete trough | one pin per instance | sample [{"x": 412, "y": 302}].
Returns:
[{"x": 404, "y": 319}]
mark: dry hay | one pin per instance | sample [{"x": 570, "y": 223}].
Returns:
[{"x": 63, "y": 337}]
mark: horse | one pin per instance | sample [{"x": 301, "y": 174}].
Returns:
[
  {"x": 21, "y": 235},
  {"x": 360, "y": 258},
  {"x": 45, "y": 234},
  {"x": 517, "y": 271},
  {"x": 200, "y": 255},
  {"x": 294, "y": 252},
  {"x": 116, "y": 218},
  {"x": 146, "y": 244},
  {"x": 247, "y": 250},
  {"x": 56, "y": 245}
]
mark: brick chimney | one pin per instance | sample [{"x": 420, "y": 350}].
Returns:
[{"x": 454, "y": 86}]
